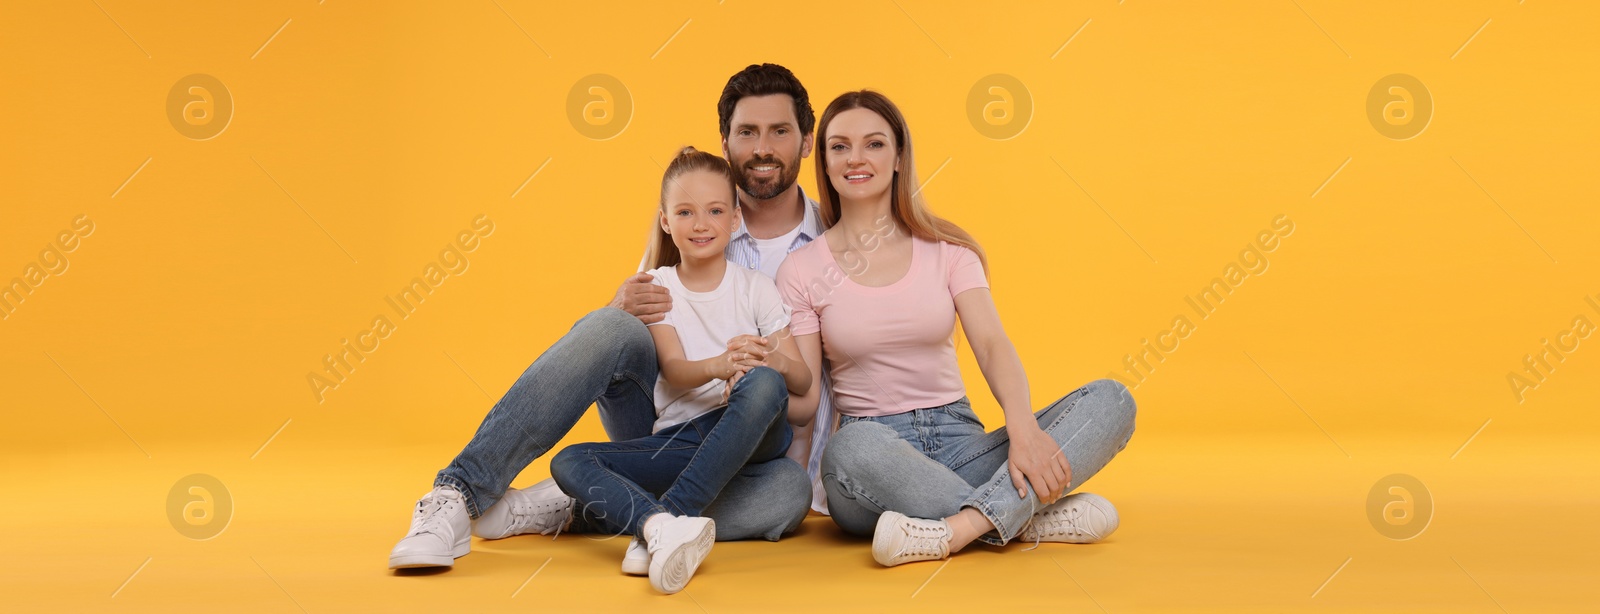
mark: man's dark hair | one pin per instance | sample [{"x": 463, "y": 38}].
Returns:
[{"x": 763, "y": 80}]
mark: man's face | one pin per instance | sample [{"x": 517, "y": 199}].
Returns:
[{"x": 764, "y": 145}]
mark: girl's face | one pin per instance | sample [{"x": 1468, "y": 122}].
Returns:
[
  {"x": 699, "y": 214},
  {"x": 861, "y": 154}
]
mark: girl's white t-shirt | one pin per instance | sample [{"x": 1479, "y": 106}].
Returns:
[{"x": 744, "y": 303}]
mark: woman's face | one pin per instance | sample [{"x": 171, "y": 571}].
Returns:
[
  {"x": 699, "y": 213},
  {"x": 861, "y": 154}
]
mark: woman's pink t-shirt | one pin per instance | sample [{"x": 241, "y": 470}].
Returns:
[{"x": 889, "y": 349}]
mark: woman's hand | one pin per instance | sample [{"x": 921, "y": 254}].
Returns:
[
  {"x": 1035, "y": 456},
  {"x": 800, "y": 448}
]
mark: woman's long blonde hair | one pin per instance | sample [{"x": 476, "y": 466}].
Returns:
[
  {"x": 906, "y": 203},
  {"x": 661, "y": 250}
]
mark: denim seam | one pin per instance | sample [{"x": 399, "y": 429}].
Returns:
[
  {"x": 855, "y": 492},
  {"x": 631, "y": 451},
  {"x": 980, "y": 503},
  {"x": 957, "y": 415},
  {"x": 648, "y": 391},
  {"x": 617, "y": 374},
  {"x": 665, "y": 499},
  {"x": 635, "y": 524},
  {"x": 973, "y": 455},
  {"x": 1066, "y": 488}
]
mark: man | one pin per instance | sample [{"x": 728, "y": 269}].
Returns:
[{"x": 608, "y": 358}]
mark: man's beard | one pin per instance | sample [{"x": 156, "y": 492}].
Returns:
[{"x": 763, "y": 190}]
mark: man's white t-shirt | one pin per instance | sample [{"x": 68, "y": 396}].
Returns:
[
  {"x": 744, "y": 303},
  {"x": 774, "y": 250}
]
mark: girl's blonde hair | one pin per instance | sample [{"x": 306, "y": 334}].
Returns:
[
  {"x": 906, "y": 204},
  {"x": 662, "y": 251}
]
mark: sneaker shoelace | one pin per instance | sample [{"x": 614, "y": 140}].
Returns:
[
  {"x": 1057, "y": 522},
  {"x": 432, "y": 510},
  {"x": 541, "y": 513},
  {"x": 923, "y": 538}
]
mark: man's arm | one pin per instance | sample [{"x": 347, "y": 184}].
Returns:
[{"x": 642, "y": 299}]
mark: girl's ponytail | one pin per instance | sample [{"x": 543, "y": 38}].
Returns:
[{"x": 661, "y": 251}]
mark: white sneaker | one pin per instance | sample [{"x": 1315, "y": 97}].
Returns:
[
  {"x": 677, "y": 546},
  {"x": 636, "y": 561},
  {"x": 541, "y": 509},
  {"x": 1082, "y": 518},
  {"x": 899, "y": 538},
  {"x": 439, "y": 532}
]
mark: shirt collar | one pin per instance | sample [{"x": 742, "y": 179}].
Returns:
[{"x": 810, "y": 221}]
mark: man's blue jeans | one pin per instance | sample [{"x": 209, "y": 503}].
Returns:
[
  {"x": 609, "y": 358},
  {"x": 931, "y": 463},
  {"x": 681, "y": 469}
]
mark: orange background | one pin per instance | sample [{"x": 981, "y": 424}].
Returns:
[{"x": 1163, "y": 137}]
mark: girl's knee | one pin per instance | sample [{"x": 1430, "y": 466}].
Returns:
[
  {"x": 762, "y": 390},
  {"x": 765, "y": 382},
  {"x": 564, "y": 464}
]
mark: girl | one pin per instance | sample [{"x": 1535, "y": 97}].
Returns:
[
  {"x": 722, "y": 397},
  {"x": 878, "y": 295}
]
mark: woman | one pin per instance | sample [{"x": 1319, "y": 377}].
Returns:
[{"x": 877, "y": 296}]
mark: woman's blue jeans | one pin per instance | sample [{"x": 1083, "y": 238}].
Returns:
[{"x": 932, "y": 462}]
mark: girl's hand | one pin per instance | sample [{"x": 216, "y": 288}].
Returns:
[
  {"x": 745, "y": 352},
  {"x": 750, "y": 350},
  {"x": 728, "y": 389},
  {"x": 1034, "y": 456},
  {"x": 726, "y": 366}
]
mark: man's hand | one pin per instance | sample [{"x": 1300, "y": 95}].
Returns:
[
  {"x": 642, "y": 299},
  {"x": 1035, "y": 456}
]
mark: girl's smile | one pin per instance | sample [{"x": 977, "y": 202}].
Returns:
[{"x": 699, "y": 214}]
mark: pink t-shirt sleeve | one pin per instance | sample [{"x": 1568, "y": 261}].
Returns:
[
  {"x": 792, "y": 286},
  {"x": 966, "y": 270}
]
